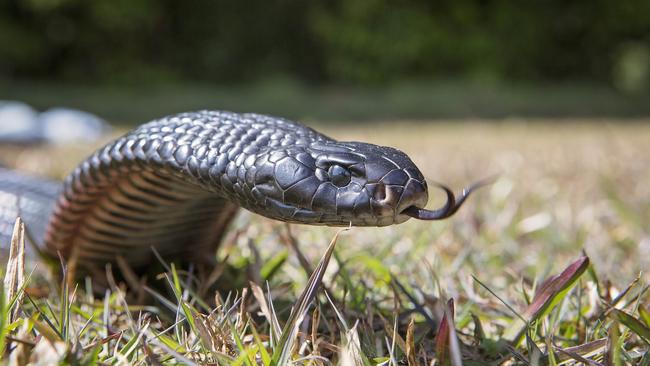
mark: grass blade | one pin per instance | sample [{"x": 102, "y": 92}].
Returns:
[
  {"x": 258, "y": 293},
  {"x": 443, "y": 335},
  {"x": 633, "y": 323},
  {"x": 555, "y": 288},
  {"x": 282, "y": 354},
  {"x": 15, "y": 272},
  {"x": 614, "y": 351},
  {"x": 410, "y": 345},
  {"x": 645, "y": 315}
]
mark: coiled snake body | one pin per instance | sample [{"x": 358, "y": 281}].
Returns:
[{"x": 176, "y": 183}]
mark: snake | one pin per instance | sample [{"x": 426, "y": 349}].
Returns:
[{"x": 175, "y": 184}]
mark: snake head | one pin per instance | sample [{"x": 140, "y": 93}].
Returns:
[{"x": 337, "y": 184}]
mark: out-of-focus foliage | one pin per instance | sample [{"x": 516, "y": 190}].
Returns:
[
  {"x": 530, "y": 40},
  {"x": 354, "y": 41}
]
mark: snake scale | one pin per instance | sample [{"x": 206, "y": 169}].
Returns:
[{"x": 176, "y": 183}]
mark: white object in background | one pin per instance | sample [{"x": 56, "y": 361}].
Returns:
[
  {"x": 64, "y": 125},
  {"x": 18, "y": 122}
]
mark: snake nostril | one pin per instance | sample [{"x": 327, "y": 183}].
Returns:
[{"x": 380, "y": 192}]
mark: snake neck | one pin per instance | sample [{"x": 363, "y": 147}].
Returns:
[{"x": 173, "y": 184}]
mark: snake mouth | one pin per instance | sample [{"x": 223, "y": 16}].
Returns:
[{"x": 450, "y": 207}]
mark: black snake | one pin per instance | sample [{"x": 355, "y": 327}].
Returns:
[{"x": 176, "y": 183}]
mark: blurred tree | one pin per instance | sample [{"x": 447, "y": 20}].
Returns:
[{"x": 353, "y": 41}]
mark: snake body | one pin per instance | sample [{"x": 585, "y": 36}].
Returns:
[{"x": 176, "y": 183}]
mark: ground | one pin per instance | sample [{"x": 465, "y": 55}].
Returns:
[{"x": 571, "y": 205}]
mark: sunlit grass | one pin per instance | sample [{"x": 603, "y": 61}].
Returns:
[{"x": 506, "y": 281}]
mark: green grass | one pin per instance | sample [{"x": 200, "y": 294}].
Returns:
[
  {"x": 135, "y": 104},
  {"x": 547, "y": 266}
]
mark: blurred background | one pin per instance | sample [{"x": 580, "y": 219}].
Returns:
[{"x": 132, "y": 60}]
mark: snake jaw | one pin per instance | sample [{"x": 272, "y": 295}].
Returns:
[{"x": 452, "y": 204}]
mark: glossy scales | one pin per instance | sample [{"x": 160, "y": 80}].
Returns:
[{"x": 176, "y": 183}]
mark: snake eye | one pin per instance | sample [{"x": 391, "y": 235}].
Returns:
[{"x": 339, "y": 176}]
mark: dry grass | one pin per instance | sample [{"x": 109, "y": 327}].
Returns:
[{"x": 506, "y": 281}]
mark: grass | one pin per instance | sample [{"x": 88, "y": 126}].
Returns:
[
  {"x": 133, "y": 104},
  {"x": 547, "y": 266}
]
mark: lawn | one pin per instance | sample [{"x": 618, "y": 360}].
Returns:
[{"x": 549, "y": 265}]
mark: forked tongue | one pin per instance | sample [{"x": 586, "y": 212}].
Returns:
[{"x": 451, "y": 206}]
